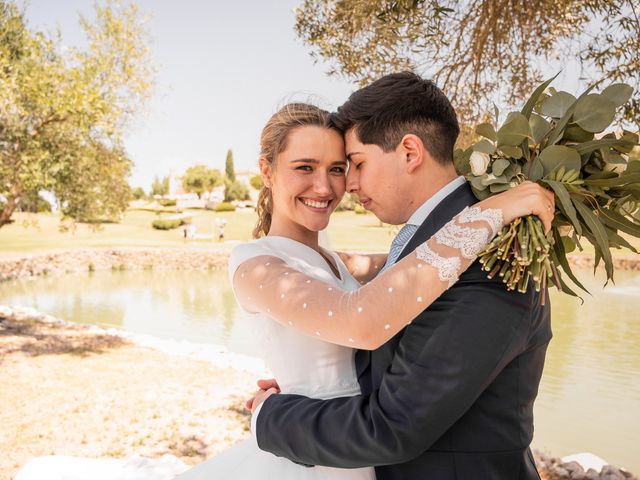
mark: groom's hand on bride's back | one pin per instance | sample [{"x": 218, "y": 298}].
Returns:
[{"x": 267, "y": 387}]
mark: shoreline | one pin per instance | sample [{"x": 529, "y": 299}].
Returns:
[
  {"x": 208, "y": 364},
  {"x": 16, "y": 266}
]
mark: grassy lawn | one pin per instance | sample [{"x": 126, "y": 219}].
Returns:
[
  {"x": 347, "y": 231},
  {"x": 39, "y": 233}
]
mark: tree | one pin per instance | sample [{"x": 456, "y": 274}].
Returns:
[
  {"x": 477, "y": 51},
  {"x": 34, "y": 203},
  {"x": 63, "y": 111},
  {"x": 159, "y": 187},
  {"x": 200, "y": 179},
  {"x": 257, "y": 182},
  {"x": 236, "y": 191},
  {"x": 138, "y": 193},
  {"x": 229, "y": 168}
]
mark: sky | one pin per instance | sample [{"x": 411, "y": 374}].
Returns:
[{"x": 222, "y": 69}]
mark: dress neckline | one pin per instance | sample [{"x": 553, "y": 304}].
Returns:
[{"x": 329, "y": 253}]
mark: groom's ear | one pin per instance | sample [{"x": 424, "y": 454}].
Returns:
[{"x": 413, "y": 150}]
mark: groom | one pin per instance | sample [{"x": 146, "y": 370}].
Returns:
[{"x": 450, "y": 396}]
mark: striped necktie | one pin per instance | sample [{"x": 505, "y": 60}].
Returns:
[{"x": 404, "y": 235}]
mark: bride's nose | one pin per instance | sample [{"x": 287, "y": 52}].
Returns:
[{"x": 321, "y": 185}]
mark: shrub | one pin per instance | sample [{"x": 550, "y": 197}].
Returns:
[
  {"x": 349, "y": 202},
  {"x": 167, "y": 202},
  {"x": 226, "y": 207},
  {"x": 167, "y": 224}
]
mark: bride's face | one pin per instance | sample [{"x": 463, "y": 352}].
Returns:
[{"x": 309, "y": 179}]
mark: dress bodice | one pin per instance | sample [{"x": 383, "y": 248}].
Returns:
[{"x": 301, "y": 363}]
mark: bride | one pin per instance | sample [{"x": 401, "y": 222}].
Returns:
[{"x": 311, "y": 307}]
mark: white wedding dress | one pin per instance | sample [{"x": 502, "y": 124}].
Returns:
[{"x": 302, "y": 364}]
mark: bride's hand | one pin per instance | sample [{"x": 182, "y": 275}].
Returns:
[
  {"x": 527, "y": 198},
  {"x": 263, "y": 385}
]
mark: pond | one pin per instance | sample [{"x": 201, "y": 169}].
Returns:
[{"x": 590, "y": 393}]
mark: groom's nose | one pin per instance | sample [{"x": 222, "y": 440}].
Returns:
[{"x": 352, "y": 181}]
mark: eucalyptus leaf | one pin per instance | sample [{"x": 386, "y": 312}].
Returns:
[
  {"x": 574, "y": 133},
  {"x": 555, "y": 155},
  {"x": 588, "y": 147},
  {"x": 486, "y": 130},
  {"x": 565, "y": 203},
  {"x": 534, "y": 170},
  {"x": 539, "y": 127},
  {"x": 619, "y": 181},
  {"x": 514, "y": 130},
  {"x": 594, "y": 112},
  {"x": 477, "y": 183},
  {"x": 557, "y": 104},
  {"x": 618, "y": 93},
  {"x": 619, "y": 222},
  {"x": 558, "y": 129},
  {"x": 484, "y": 146},
  {"x": 491, "y": 179},
  {"x": 499, "y": 187},
  {"x": 558, "y": 250},
  {"x": 499, "y": 166},
  {"x": 600, "y": 235},
  {"x": 510, "y": 151},
  {"x": 536, "y": 96}
]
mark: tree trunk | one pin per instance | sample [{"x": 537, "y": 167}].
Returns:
[{"x": 9, "y": 208}]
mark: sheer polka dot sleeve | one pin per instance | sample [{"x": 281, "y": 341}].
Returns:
[{"x": 369, "y": 316}]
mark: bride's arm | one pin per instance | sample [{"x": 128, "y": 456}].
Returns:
[
  {"x": 363, "y": 266},
  {"x": 368, "y": 317}
]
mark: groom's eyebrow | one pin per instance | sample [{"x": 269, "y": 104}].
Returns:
[{"x": 351, "y": 154}]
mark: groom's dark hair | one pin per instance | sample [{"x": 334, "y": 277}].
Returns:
[{"x": 398, "y": 104}]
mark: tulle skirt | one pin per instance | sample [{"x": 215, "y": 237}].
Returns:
[{"x": 246, "y": 461}]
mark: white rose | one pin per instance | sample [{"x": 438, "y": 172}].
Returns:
[{"x": 479, "y": 162}]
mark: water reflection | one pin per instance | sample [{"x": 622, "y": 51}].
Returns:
[{"x": 589, "y": 396}]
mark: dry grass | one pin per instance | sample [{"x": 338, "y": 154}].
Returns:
[{"x": 67, "y": 391}]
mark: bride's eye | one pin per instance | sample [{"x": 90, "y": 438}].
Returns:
[
  {"x": 340, "y": 170},
  {"x": 305, "y": 168}
]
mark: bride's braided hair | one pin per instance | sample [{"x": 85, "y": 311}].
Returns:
[{"x": 273, "y": 141}]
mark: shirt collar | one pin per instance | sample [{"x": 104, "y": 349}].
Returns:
[{"x": 421, "y": 214}]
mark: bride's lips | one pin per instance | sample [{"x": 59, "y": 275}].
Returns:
[{"x": 319, "y": 206}]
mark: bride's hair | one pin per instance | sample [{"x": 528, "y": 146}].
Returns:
[{"x": 273, "y": 141}]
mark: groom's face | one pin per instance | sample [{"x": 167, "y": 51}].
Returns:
[{"x": 378, "y": 178}]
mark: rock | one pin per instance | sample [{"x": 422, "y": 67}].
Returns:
[
  {"x": 573, "y": 468},
  {"x": 135, "y": 467},
  {"x": 586, "y": 460}
]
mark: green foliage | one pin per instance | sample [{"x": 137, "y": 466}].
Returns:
[
  {"x": 229, "y": 168},
  {"x": 225, "y": 207},
  {"x": 167, "y": 224},
  {"x": 360, "y": 210},
  {"x": 236, "y": 191},
  {"x": 200, "y": 179},
  {"x": 167, "y": 202},
  {"x": 256, "y": 182},
  {"x": 596, "y": 182},
  {"x": 477, "y": 51},
  {"x": 63, "y": 111},
  {"x": 34, "y": 203},
  {"x": 159, "y": 187},
  {"x": 138, "y": 193},
  {"x": 349, "y": 202}
]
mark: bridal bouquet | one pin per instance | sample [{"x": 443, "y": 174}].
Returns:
[{"x": 556, "y": 141}]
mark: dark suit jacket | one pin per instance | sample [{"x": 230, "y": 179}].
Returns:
[{"x": 449, "y": 397}]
